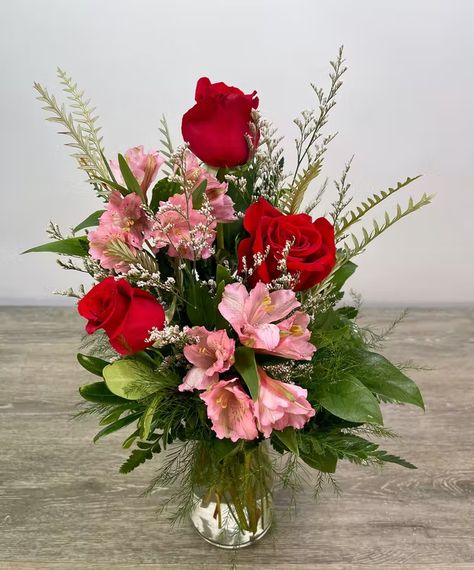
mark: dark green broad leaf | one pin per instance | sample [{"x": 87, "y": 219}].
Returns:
[
  {"x": 90, "y": 221},
  {"x": 200, "y": 304},
  {"x": 75, "y": 247},
  {"x": 326, "y": 462},
  {"x": 130, "y": 181},
  {"x": 119, "y": 424},
  {"x": 289, "y": 439},
  {"x": 383, "y": 378},
  {"x": 247, "y": 367},
  {"x": 348, "y": 312},
  {"x": 92, "y": 364},
  {"x": 130, "y": 379},
  {"x": 342, "y": 274},
  {"x": 98, "y": 393},
  {"x": 198, "y": 195},
  {"x": 350, "y": 400},
  {"x": 223, "y": 274},
  {"x": 162, "y": 191}
]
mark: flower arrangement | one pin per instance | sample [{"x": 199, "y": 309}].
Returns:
[{"x": 217, "y": 326}]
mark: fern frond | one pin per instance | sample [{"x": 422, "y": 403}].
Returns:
[
  {"x": 120, "y": 252},
  {"x": 358, "y": 245},
  {"x": 85, "y": 153},
  {"x": 167, "y": 146},
  {"x": 359, "y": 212},
  {"x": 291, "y": 200},
  {"x": 84, "y": 114}
]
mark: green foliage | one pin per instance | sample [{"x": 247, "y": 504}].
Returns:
[
  {"x": 198, "y": 195},
  {"x": 359, "y": 245},
  {"x": 350, "y": 447},
  {"x": 92, "y": 220},
  {"x": 383, "y": 378},
  {"x": 246, "y": 366},
  {"x": 289, "y": 439},
  {"x": 130, "y": 379},
  {"x": 129, "y": 179},
  {"x": 99, "y": 393},
  {"x": 119, "y": 424},
  {"x": 92, "y": 364},
  {"x": 167, "y": 145},
  {"x": 359, "y": 212},
  {"x": 162, "y": 191},
  {"x": 291, "y": 198},
  {"x": 349, "y": 399},
  {"x": 144, "y": 452},
  {"x": 75, "y": 247},
  {"x": 80, "y": 125},
  {"x": 200, "y": 306}
]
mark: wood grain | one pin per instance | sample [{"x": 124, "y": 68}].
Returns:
[{"x": 63, "y": 505}]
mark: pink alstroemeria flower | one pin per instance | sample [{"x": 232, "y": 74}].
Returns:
[
  {"x": 221, "y": 204},
  {"x": 213, "y": 353},
  {"x": 144, "y": 166},
  {"x": 231, "y": 410},
  {"x": 253, "y": 316},
  {"x": 280, "y": 405},
  {"x": 185, "y": 231},
  {"x": 124, "y": 220}
]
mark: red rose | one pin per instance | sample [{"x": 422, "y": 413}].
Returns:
[
  {"x": 312, "y": 254},
  {"x": 125, "y": 313},
  {"x": 216, "y": 126}
]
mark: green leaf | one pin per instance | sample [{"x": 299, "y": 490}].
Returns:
[
  {"x": 128, "y": 177},
  {"x": 76, "y": 247},
  {"x": 350, "y": 400},
  {"x": 383, "y": 378},
  {"x": 99, "y": 394},
  {"x": 145, "y": 422},
  {"x": 92, "y": 363},
  {"x": 130, "y": 439},
  {"x": 115, "y": 414},
  {"x": 90, "y": 221},
  {"x": 342, "y": 274},
  {"x": 119, "y": 424},
  {"x": 198, "y": 195},
  {"x": 221, "y": 448},
  {"x": 162, "y": 191},
  {"x": 247, "y": 367},
  {"x": 223, "y": 274},
  {"x": 326, "y": 462},
  {"x": 122, "y": 375},
  {"x": 124, "y": 191},
  {"x": 200, "y": 307},
  {"x": 288, "y": 438}
]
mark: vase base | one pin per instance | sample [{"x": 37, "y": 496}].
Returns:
[{"x": 237, "y": 545}]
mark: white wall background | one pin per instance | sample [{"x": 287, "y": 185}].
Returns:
[{"x": 406, "y": 108}]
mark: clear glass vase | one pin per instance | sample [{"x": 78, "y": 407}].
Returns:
[{"x": 233, "y": 502}]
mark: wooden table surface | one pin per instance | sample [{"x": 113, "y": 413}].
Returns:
[{"x": 63, "y": 503}]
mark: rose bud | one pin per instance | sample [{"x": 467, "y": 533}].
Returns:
[{"x": 218, "y": 127}]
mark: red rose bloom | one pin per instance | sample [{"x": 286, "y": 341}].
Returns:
[
  {"x": 216, "y": 126},
  {"x": 312, "y": 254},
  {"x": 124, "y": 312}
]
